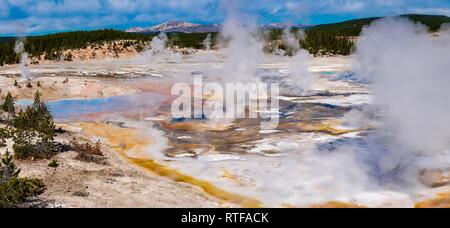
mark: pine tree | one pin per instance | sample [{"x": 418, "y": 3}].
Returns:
[
  {"x": 44, "y": 119},
  {"x": 37, "y": 100},
  {"x": 4, "y": 134},
  {"x": 8, "y": 104},
  {"x": 34, "y": 131},
  {"x": 13, "y": 189},
  {"x": 8, "y": 170}
]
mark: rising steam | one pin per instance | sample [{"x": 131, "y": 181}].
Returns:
[
  {"x": 300, "y": 77},
  {"x": 408, "y": 70},
  {"x": 20, "y": 50},
  {"x": 410, "y": 74},
  {"x": 244, "y": 50},
  {"x": 158, "y": 44},
  {"x": 158, "y": 51},
  {"x": 207, "y": 42}
]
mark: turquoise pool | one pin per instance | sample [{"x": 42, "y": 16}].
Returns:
[
  {"x": 328, "y": 72},
  {"x": 85, "y": 109}
]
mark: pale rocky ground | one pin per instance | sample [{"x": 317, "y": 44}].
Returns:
[
  {"x": 57, "y": 88},
  {"x": 78, "y": 184},
  {"x": 105, "y": 50},
  {"x": 111, "y": 183}
]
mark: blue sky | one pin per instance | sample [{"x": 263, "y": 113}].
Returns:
[{"x": 26, "y": 17}]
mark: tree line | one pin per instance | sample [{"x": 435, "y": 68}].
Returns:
[
  {"x": 53, "y": 45},
  {"x": 316, "y": 42}
]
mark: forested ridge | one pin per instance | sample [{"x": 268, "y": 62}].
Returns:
[
  {"x": 354, "y": 27},
  {"x": 338, "y": 38},
  {"x": 52, "y": 45}
]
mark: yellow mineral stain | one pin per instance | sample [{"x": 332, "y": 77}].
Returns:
[
  {"x": 209, "y": 188},
  {"x": 441, "y": 201},
  {"x": 288, "y": 205},
  {"x": 317, "y": 127},
  {"x": 126, "y": 140},
  {"x": 195, "y": 126},
  {"x": 336, "y": 204},
  {"x": 231, "y": 177}
]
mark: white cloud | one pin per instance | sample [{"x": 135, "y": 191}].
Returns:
[
  {"x": 37, "y": 8},
  {"x": 39, "y": 24},
  {"x": 353, "y": 6},
  {"x": 123, "y": 5},
  {"x": 4, "y": 9}
]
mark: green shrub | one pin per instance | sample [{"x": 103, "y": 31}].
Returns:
[
  {"x": 24, "y": 149},
  {"x": 15, "y": 190},
  {"x": 53, "y": 164},
  {"x": 86, "y": 151}
]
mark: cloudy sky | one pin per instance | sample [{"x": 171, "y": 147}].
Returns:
[{"x": 46, "y": 16}]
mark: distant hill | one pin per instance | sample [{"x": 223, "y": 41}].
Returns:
[
  {"x": 177, "y": 27},
  {"x": 187, "y": 27},
  {"x": 354, "y": 27}
]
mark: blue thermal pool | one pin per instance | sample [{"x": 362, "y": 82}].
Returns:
[{"x": 80, "y": 109}]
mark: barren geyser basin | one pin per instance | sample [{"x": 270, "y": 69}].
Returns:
[{"x": 367, "y": 128}]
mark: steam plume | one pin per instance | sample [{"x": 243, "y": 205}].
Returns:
[
  {"x": 158, "y": 44},
  {"x": 158, "y": 52},
  {"x": 20, "y": 50},
  {"x": 410, "y": 75},
  {"x": 300, "y": 76},
  {"x": 207, "y": 42},
  {"x": 244, "y": 50}
]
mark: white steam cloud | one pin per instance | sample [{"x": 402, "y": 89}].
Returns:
[
  {"x": 158, "y": 51},
  {"x": 20, "y": 50},
  {"x": 300, "y": 75},
  {"x": 244, "y": 51},
  {"x": 291, "y": 39},
  {"x": 410, "y": 74},
  {"x": 158, "y": 44},
  {"x": 207, "y": 42}
]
